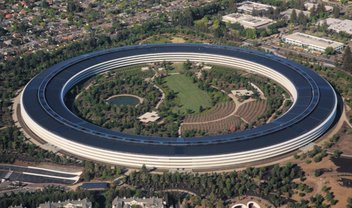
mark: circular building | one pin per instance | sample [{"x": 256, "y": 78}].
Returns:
[{"x": 44, "y": 112}]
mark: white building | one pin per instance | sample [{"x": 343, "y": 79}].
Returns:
[
  {"x": 338, "y": 25},
  {"x": 312, "y": 42},
  {"x": 248, "y": 21},
  {"x": 138, "y": 202},
  {"x": 84, "y": 203},
  {"x": 249, "y": 6}
]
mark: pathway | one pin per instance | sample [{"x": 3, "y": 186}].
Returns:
[
  {"x": 156, "y": 86},
  {"x": 179, "y": 190},
  {"x": 279, "y": 109},
  {"x": 162, "y": 97}
]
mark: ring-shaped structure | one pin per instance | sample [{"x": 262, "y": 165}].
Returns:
[{"x": 44, "y": 112}]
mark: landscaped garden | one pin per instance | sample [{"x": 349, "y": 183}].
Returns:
[{"x": 178, "y": 99}]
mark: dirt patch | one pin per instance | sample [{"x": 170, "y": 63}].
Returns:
[
  {"x": 329, "y": 179},
  {"x": 344, "y": 144}
]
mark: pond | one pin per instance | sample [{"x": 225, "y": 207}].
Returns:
[{"x": 124, "y": 100}]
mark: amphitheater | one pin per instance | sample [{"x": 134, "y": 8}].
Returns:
[{"x": 44, "y": 112}]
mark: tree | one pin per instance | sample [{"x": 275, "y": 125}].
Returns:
[
  {"x": 336, "y": 11},
  {"x": 44, "y": 4},
  {"x": 232, "y": 6},
  {"x": 251, "y": 33},
  {"x": 318, "y": 172},
  {"x": 293, "y": 18},
  {"x": 302, "y": 20},
  {"x": 219, "y": 204},
  {"x": 184, "y": 18},
  {"x": 73, "y": 7},
  {"x": 347, "y": 59},
  {"x": 349, "y": 202},
  {"x": 3, "y": 31},
  {"x": 202, "y": 24},
  {"x": 344, "y": 1},
  {"x": 329, "y": 50},
  {"x": 324, "y": 26},
  {"x": 336, "y": 153}
]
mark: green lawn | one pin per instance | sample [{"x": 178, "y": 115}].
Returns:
[{"x": 188, "y": 93}]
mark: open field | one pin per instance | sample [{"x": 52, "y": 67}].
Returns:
[
  {"x": 344, "y": 144},
  {"x": 189, "y": 95}
]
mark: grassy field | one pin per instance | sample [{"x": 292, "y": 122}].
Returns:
[{"x": 189, "y": 95}]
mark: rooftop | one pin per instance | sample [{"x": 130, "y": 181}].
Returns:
[
  {"x": 152, "y": 202},
  {"x": 338, "y": 25},
  {"x": 247, "y": 21},
  {"x": 249, "y": 6},
  {"x": 313, "y": 40},
  {"x": 149, "y": 117},
  {"x": 84, "y": 203},
  {"x": 309, "y": 6},
  {"x": 288, "y": 12}
]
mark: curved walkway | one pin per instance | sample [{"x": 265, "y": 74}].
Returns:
[
  {"x": 162, "y": 97},
  {"x": 179, "y": 190}
]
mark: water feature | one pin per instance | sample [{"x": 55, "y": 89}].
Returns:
[{"x": 124, "y": 100}]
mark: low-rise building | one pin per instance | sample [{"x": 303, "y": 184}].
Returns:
[
  {"x": 84, "y": 203},
  {"x": 248, "y": 7},
  {"x": 311, "y": 42},
  {"x": 287, "y": 14},
  {"x": 338, "y": 25},
  {"x": 309, "y": 6},
  {"x": 248, "y": 21},
  {"x": 149, "y": 117},
  {"x": 152, "y": 202}
]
